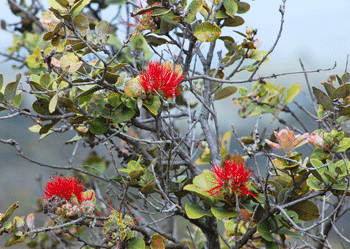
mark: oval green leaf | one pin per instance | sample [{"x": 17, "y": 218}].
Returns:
[
  {"x": 322, "y": 98},
  {"x": 225, "y": 92},
  {"x": 78, "y": 7},
  {"x": 136, "y": 243},
  {"x": 193, "y": 9},
  {"x": 329, "y": 88},
  {"x": 306, "y": 210},
  {"x": 292, "y": 92},
  {"x": 153, "y": 104},
  {"x": 234, "y": 21},
  {"x": 10, "y": 89},
  {"x": 98, "y": 126},
  {"x": 223, "y": 214},
  {"x": 1, "y": 81},
  {"x": 195, "y": 212},
  {"x": 264, "y": 228},
  {"x": 231, "y": 7},
  {"x": 345, "y": 77},
  {"x": 207, "y": 32},
  {"x": 53, "y": 103},
  {"x": 342, "y": 92},
  {"x": 102, "y": 29},
  {"x": 243, "y": 7}
]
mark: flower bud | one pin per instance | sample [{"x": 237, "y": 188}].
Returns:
[{"x": 316, "y": 139}]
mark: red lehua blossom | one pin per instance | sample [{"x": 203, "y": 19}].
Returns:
[
  {"x": 162, "y": 77},
  {"x": 65, "y": 187},
  {"x": 232, "y": 177}
]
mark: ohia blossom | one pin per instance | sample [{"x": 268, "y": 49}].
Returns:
[
  {"x": 316, "y": 139},
  {"x": 66, "y": 188},
  {"x": 231, "y": 178},
  {"x": 288, "y": 141},
  {"x": 162, "y": 77}
]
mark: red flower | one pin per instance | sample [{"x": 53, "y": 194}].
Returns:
[
  {"x": 231, "y": 178},
  {"x": 65, "y": 187},
  {"x": 162, "y": 77}
]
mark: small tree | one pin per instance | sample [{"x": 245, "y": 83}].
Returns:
[{"x": 87, "y": 78}]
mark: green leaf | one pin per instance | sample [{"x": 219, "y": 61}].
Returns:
[
  {"x": 193, "y": 9},
  {"x": 45, "y": 129},
  {"x": 160, "y": 12},
  {"x": 133, "y": 88},
  {"x": 45, "y": 80},
  {"x": 8, "y": 213},
  {"x": 155, "y": 41},
  {"x": 35, "y": 128},
  {"x": 322, "y": 98},
  {"x": 111, "y": 78},
  {"x": 345, "y": 77},
  {"x": 17, "y": 100},
  {"x": 55, "y": 5},
  {"x": 71, "y": 62},
  {"x": 329, "y": 88},
  {"x": 63, "y": 3},
  {"x": 14, "y": 239},
  {"x": 4, "y": 108},
  {"x": 243, "y": 7},
  {"x": 53, "y": 103},
  {"x": 11, "y": 88},
  {"x": 1, "y": 81},
  {"x": 340, "y": 81},
  {"x": 96, "y": 162},
  {"x": 192, "y": 188},
  {"x": 65, "y": 102},
  {"x": 123, "y": 114},
  {"x": 136, "y": 243},
  {"x": 2, "y": 98},
  {"x": 41, "y": 106},
  {"x": 88, "y": 92},
  {"x": 342, "y": 92},
  {"x": 81, "y": 23},
  {"x": 98, "y": 125},
  {"x": 76, "y": 138},
  {"x": 233, "y": 21},
  {"x": 157, "y": 242},
  {"x": 331, "y": 178},
  {"x": 316, "y": 163},
  {"x": 78, "y": 7},
  {"x": 207, "y": 32},
  {"x": 291, "y": 93},
  {"x": 306, "y": 210},
  {"x": 231, "y": 7},
  {"x": 225, "y": 92},
  {"x": 153, "y": 104},
  {"x": 264, "y": 228},
  {"x": 230, "y": 227},
  {"x": 201, "y": 184},
  {"x": 343, "y": 145},
  {"x": 223, "y": 214},
  {"x": 102, "y": 29},
  {"x": 195, "y": 211},
  {"x": 171, "y": 18},
  {"x": 134, "y": 169},
  {"x": 220, "y": 14},
  {"x": 227, "y": 39},
  {"x": 147, "y": 9},
  {"x": 149, "y": 187}
]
